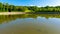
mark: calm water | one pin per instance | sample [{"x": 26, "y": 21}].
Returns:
[{"x": 30, "y": 24}]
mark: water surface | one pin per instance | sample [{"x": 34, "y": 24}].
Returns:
[{"x": 30, "y": 24}]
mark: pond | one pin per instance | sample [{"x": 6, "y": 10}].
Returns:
[{"x": 30, "y": 24}]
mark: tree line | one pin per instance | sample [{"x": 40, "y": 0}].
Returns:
[{"x": 6, "y": 7}]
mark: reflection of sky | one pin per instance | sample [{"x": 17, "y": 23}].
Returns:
[
  {"x": 33, "y": 2},
  {"x": 52, "y": 22},
  {"x": 41, "y": 21}
]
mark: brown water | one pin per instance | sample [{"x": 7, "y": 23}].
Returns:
[{"x": 30, "y": 24}]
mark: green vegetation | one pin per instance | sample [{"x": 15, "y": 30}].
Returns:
[{"x": 6, "y": 7}]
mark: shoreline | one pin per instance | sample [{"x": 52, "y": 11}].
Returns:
[
  {"x": 43, "y": 12},
  {"x": 11, "y": 13},
  {"x": 16, "y": 13}
]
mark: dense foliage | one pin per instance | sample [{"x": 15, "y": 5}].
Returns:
[{"x": 6, "y": 7}]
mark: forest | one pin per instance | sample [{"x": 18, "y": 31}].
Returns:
[{"x": 6, "y": 7}]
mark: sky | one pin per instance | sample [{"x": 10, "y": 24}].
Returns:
[{"x": 32, "y": 2}]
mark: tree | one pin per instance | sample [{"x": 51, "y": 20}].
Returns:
[
  {"x": 1, "y": 6},
  {"x": 7, "y": 6}
]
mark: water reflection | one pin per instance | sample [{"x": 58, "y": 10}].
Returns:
[{"x": 30, "y": 24}]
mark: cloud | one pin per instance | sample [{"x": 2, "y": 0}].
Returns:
[{"x": 32, "y": 5}]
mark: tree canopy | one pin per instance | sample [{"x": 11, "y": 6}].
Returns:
[{"x": 6, "y": 7}]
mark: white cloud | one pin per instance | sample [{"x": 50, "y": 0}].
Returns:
[
  {"x": 35, "y": 5},
  {"x": 32, "y": 5}
]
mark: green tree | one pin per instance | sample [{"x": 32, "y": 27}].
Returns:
[
  {"x": 1, "y": 6},
  {"x": 7, "y": 6}
]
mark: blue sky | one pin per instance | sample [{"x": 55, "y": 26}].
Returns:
[{"x": 32, "y": 2}]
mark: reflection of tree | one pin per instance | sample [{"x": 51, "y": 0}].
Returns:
[
  {"x": 7, "y": 18},
  {"x": 50, "y": 15}
]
